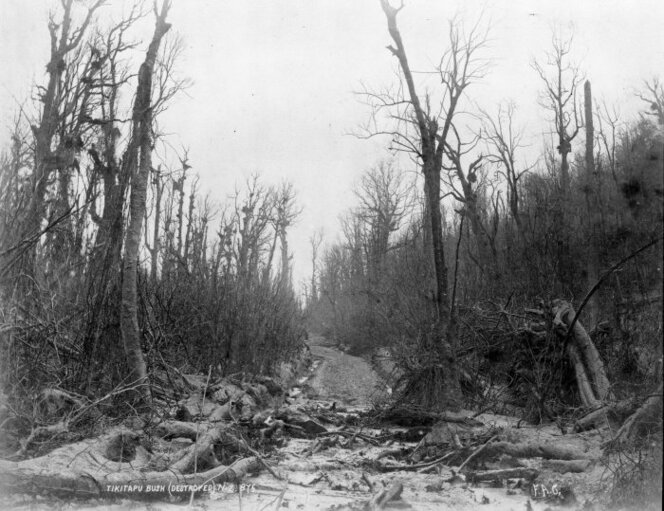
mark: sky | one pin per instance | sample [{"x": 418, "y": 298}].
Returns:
[{"x": 274, "y": 82}]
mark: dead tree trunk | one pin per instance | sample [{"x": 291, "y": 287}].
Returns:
[
  {"x": 156, "y": 235},
  {"x": 430, "y": 144},
  {"x": 140, "y": 158},
  {"x": 592, "y": 266},
  {"x": 594, "y": 386},
  {"x": 285, "y": 258}
]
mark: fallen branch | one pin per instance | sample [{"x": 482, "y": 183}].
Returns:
[
  {"x": 531, "y": 450},
  {"x": 506, "y": 473},
  {"x": 475, "y": 453},
  {"x": 392, "y": 468},
  {"x": 565, "y": 466},
  {"x": 614, "y": 411},
  {"x": 351, "y": 434}
]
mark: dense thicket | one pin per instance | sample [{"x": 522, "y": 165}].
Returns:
[
  {"x": 374, "y": 284},
  {"x": 210, "y": 294}
]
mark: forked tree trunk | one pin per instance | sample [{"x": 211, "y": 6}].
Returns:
[
  {"x": 140, "y": 144},
  {"x": 431, "y": 144}
]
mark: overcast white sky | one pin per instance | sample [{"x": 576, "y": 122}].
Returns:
[{"x": 274, "y": 79}]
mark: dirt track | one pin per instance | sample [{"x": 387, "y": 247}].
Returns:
[{"x": 341, "y": 377}]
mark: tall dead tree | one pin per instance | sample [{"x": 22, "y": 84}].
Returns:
[
  {"x": 592, "y": 201},
  {"x": 139, "y": 157},
  {"x": 561, "y": 79},
  {"x": 559, "y": 97},
  {"x": 456, "y": 70}
]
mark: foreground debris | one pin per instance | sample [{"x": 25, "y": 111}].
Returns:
[{"x": 218, "y": 439}]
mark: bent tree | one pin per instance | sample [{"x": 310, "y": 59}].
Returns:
[
  {"x": 427, "y": 138},
  {"x": 139, "y": 159}
]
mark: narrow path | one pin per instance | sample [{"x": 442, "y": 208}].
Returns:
[{"x": 341, "y": 377}]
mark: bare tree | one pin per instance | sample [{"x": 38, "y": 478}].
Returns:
[
  {"x": 607, "y": 133},
  {"x": 591, "y": 190},
  {"x": 385, "y": 200},
  {"x": 654, "y": 97},
  {"x": 315, "y": 241},
  {"x": 559, "y": 97},
  {"x": 111, "y": 74},
  {"x": 427, "y": 138},
  {"x": 503, "y": 141},
  {"x": 472, "y": 178},
  {"x": 155, "y": 249},
  {"x": 139, "y": 158},
  {"x": 65, "y": 38},
  {"x": 287, "y": 212},
  {"x": 251, "y": 222}
]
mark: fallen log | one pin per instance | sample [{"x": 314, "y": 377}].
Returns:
[
  {"x": 614, "y": 412},
  {"x": 393, "y": 467},
  {"x": 83, "y": 470},
  {"x": 300, "y": 423},
  {"x": 352, "y": 435},
  {"x": 530, "y": 450},
  {"x": 478, "y": 476},
  {"x": 565, "y": 466},
  {"x": 201, "y": 454},
  {"x": 177, "y": 429}
]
